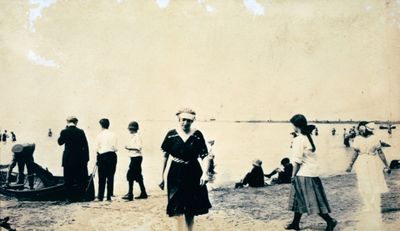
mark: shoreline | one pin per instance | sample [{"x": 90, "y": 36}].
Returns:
[{"x": 233, "y": 209}]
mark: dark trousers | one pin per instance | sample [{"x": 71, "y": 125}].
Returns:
[
  {"x": 107, "y": 163},
  {"x": 135, "y": 174},
  {"x": 75, "y": 181},
  {"x": 21, "y": 162}
]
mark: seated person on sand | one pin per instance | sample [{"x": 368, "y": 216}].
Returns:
[
  {"x": 255, "y": 178},
  {"x": 23, "y": 155},
  {"x": 284, "y": 173}
]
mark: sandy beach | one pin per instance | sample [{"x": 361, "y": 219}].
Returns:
[{"x": 233, "y": 209}]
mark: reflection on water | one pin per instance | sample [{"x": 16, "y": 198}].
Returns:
[{"x": 236, "y": 145}]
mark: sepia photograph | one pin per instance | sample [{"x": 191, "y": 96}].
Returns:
[{"x": 204, "y": 115}]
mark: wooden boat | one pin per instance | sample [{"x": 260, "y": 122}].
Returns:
[
  {"x": 46, "y": 186},
  {"x": 50, "y": 189}
]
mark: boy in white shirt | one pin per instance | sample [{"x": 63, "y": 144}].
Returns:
[{"x": 134, "y": 173}]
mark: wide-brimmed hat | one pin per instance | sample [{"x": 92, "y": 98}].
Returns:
[
  {"x": 17, "y": 148},
  {"x": 186, "y": 113},
  {"x": 370, "y": 126},
  {"x": 257, "y": 162}
]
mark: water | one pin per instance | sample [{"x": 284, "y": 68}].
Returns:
[{"x": 236, "y": 145}]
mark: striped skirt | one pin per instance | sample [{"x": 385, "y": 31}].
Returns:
[{"x": 307, "y": 195}]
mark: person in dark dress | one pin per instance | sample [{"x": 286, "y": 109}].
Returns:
[
  {"x": 255, "y": 178},
  {"x": 23, "y": 155},
  {"x": 75, "y": 159},
  {"x": 186, "y": 180},
  {"x": 284, "y": 175}
]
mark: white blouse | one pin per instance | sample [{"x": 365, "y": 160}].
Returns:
[
  {"x": 302, "y": 154},
  {"x": 367, "y": 145}
]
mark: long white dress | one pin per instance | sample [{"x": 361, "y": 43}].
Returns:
[
  {"x": 369, "y": 166},
  {"x": 371, "y": 182}
]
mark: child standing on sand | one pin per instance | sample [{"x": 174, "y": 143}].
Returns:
[{"x": 135, "y": 167}]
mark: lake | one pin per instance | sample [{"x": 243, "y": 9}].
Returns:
[{"x": 236, "y": 145}]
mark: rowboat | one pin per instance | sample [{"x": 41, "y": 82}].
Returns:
[{"x": 46, "y": 186}]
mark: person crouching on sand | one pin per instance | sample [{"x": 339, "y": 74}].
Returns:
[
  {"x": 284, "y": 173},
  {"x": 135, "y": 167},
  {"x": 307, "y": 194},
  {"x": 255, "y": 178}
]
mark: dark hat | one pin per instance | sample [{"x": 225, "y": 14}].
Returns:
[
  {"x": 257, "y": 162},
  {"x": 72, "y": 119},
  {"x": 17, "y": 148},
  {"x": 133, "y": 125}
]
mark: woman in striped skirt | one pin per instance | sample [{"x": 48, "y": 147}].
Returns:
[{"x": 307, "y": 194}]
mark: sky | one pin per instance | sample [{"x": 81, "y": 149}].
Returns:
[{"x": 229, "y": 60}]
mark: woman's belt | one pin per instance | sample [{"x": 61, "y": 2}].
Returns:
[{"x": 180, "y": 161}]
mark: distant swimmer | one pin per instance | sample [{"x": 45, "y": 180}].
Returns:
[
  {"x": 4, "y": 136},
  {"x": 333, "y": 131},
  {"x": 13, "y": 137},
  {"x": 50, "y": 133},
  {"x": 316, "y": 131}
]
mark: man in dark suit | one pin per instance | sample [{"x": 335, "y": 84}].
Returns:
[{"x": 75, "y": 159}]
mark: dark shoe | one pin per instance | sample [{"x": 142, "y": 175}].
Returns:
[
  {"x": 239, "y": 185},
  {"x": 128, "y": 197},
  {"x": 142, "y": 196},
  {"x": 292, "y": 227},
  {"x": 331, "y": 225},
  {"x": 108, "y": 198}
]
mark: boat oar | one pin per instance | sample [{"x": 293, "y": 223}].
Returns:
[{"x": 91, "y": 177}]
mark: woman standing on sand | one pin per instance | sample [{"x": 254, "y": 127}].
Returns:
[
  {"x": 370, "y": 177},
  {"x": 307, "y": 194},
  {"x": 187, "y": 193}
]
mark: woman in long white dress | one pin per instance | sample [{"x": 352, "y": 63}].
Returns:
[{"x": 369, "y": 164}]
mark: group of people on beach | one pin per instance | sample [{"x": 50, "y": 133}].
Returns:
[
  {"x": 4, "y": 136},
  {"x": 76, "y": 157},
  {"x": 256, "y": 177},
  {"x": 187, "y": 176},
  {"x": 307, "y": 193}
]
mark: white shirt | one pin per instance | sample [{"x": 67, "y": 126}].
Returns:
[
  {"x": 135, "y": 145},
  {"x": 106, "y": 141},
  {"x": 303, "y": 155}
]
